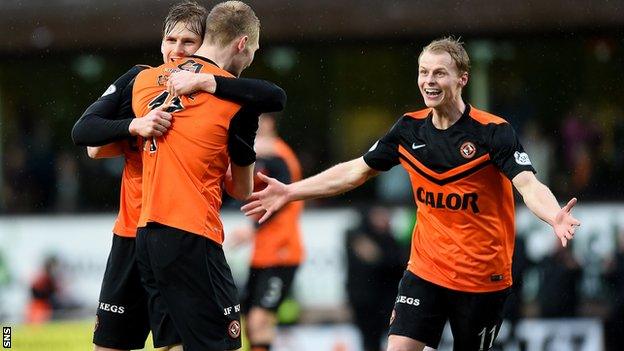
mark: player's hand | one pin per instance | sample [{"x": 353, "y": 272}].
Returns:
[
  {"x": 267, "y": 201},
  {"x": 154, "y": 124},
  {"x": 565, "y": 224},
  {"x": 185, "y": 82}
]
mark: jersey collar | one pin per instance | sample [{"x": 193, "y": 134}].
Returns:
[{"x": 204, "y": 59}]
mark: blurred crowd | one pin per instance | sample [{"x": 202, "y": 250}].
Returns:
[{"x": 580, "y": 157}]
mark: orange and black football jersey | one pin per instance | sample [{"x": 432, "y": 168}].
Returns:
[
  {"x": 183, "y": 170},
  {"x": 461, "y": 178},
  {"x": 118, "y": 99},
  {"x": 130, "y": 193},
  {"x": 278, "y": 241}
]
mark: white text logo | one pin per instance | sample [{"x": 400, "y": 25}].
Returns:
[
  {"x": 112, "y": 308},
  {"x": 407, "y": 300}
]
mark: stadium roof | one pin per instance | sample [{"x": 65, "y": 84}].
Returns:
[{"x": 30, "y": 25}]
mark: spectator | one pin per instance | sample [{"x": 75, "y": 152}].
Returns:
[
  {"x": 614, "y": 324},
  {"x": 375, "y": 265},
  {"x": 560, "y": 274},
  {"x": 44, "y": 293}
]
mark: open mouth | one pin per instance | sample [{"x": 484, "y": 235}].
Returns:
[{"x": 432, "y": 93}]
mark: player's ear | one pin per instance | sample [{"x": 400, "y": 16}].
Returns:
[
  {"x": 242, "y": 43},
  {"x": 463, "y": 79}
]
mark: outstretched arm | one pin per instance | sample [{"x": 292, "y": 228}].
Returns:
[
  {"x": 336, "y": 180},
  {"x": 541, "y": 201},
  {"x": 257, "y": 94}
]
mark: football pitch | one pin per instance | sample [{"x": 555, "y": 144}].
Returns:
[{"x": 59, "y": 336}]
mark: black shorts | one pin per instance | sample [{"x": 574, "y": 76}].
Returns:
[
  {"x": 121, "y": 320},
  {"x": 268, "y": 287},
  {"x": 191, "y": 275},
  {"x": 422, "y": 309}
]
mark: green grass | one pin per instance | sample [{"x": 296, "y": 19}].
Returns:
[
  {"x": 57, "y": 336},
  {"x": 60, "y": 336}
]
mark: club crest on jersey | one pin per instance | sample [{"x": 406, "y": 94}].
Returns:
[
  {"x": 234, "y": 329},
  {"x": 162, "y": 79},
  {"x": 468, "y": 150},
  {"x": 522, "y": 158}
]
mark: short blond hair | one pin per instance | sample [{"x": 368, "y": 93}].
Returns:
[
  {"x": 454, "y": 47},
  {"x": 229, "y": 20},
  {"x": 192, "y": 14}
]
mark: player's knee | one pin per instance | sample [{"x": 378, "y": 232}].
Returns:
[
  {"x": 260, "y": 323},
  {"x": 401, "y": 343}
]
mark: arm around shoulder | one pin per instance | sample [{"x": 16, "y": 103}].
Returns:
[{"x": 106, "y": 151}]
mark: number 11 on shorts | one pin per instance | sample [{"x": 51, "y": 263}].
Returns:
[{"x": 483, "y": 333}]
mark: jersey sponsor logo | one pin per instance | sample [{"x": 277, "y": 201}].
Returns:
[
  {"x": 234, "y": 329},
  {"x": 416, "y": 147},
  {"x": 451, "y": 201},
  {"x": 407, "y": 300},
  {"x": 112, "y": 308},
  {"x": 522, "y": 158},
  {"x": 468, "y": 150},
  {"x": 110, "y": 90},
  {"x": 374, "y": 146}
]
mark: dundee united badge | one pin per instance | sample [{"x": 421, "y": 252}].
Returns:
[
  {"x": 234, "y": 329},
  {"x": 468, "y": 149}
]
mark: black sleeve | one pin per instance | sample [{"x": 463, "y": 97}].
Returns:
[
  {"x": 277, "y": 168},
  {"x": 241, "y": 137},
  {"x": 260, "y": 95},
  {"x": 384, "y": 154},
  {"x": 108, "y": 118},
  {"x": 507, "y": 153}
]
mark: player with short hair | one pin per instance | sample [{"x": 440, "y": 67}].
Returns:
[
  {"x": 122, "y": 318},
  {"x": 180, "y": 233},
  {"x": 462, "y": 163},
  {"x": 277, "y": 247}
]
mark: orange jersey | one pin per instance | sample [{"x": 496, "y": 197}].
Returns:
[
  {"x": 184, "y": 169},
  {"x": 278, "y": 241},
  {"x": 464, "y": 236},
  {"x": 130, "y": 194}
]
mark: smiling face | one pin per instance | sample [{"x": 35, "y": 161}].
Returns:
[
  {"x": 179, "y": 42},
  {"x": 439, "y": 80}
]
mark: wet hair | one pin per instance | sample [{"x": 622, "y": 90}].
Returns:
[
  {"x": 190, "y": 13},
  {"x": 454, "y": 47},
  {"x": 229, "y": 20}
]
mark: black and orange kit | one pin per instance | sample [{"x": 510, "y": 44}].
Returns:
[
  {"x": 278, "y": 248},
  {"x": 122, "y": 315},
  {"x": 464, "y": 237},
  {"x": 180, "y": 232}
]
